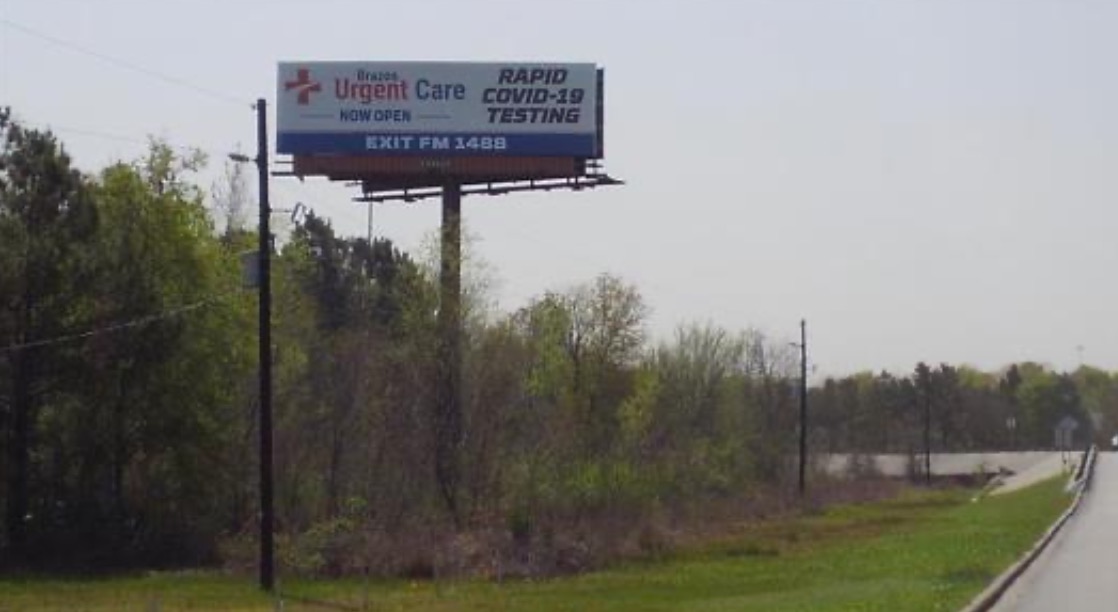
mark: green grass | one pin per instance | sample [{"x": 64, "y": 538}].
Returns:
[
  {"x": 925, "y": 551},
  {"x": 162, "y": 591}
]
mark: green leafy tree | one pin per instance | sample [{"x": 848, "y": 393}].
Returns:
[
  {"x": 150, "y": 458},
  {"x": 695, "y": 430},
  {"x": 1098, "y": 390},
  {"x": 355, "y": 359},
  {"x": 768, "y": 402},
  {"x": 126, "y": 352},
  {"x": 1046, "y": 398},
  {"x": 47, "y": 219}
]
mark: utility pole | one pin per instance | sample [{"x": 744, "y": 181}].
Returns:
[
  {"x": 928, "y": 431},
  {"x": 267, "y": 517},
  {"x": 803, "y": 406}
]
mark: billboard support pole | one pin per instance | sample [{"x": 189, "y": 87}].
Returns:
[
  {"x": 369, "y": 229},
  {"x": 448, "y": 419}
]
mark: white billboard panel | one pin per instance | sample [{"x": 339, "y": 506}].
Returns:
[{"x": 440, "y": 108}]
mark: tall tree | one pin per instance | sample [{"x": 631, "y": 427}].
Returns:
[
  {"x": 606, "y": 335},
  {"x": 230, "y": 195},
  {"x": 152, "y": 446},
  {"x": 948, "y": 395},
  {"x": 768, "y": 400},
  {"x": 46, "y": 221}
]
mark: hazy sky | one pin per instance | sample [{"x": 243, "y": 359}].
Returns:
[{"x": 921, "y": 179}]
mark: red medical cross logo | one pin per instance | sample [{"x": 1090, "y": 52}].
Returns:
[{"x": 304, "y": 85}]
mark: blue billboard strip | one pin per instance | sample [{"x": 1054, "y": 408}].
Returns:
[{"x": 395, "y": 144}]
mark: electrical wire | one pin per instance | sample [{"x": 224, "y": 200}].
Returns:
[
  {"x": 153, "y": 74},
  {"x": 118, "y": 327},
  {"x": 168, "y": 79},
  {"x": 116, "y": 137},
  {"x": 124, "y": 64},
  {"x": 83, "y": 132}
]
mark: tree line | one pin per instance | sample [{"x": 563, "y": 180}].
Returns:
[
  {"x": 961, "y": 409},
  {"x": 128, "y": 396}
]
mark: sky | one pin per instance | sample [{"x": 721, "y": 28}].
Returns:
[{"x": 922, "y": 180}]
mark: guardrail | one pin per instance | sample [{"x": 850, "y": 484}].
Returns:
[{"x": 1080, "y": 483}]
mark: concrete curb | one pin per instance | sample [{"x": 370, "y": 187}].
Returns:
[{"x": 993, "y": 593}]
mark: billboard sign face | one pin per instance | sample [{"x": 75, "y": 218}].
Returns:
[{"x": 437, "y": 108}]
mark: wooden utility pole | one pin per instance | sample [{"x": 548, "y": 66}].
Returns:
[
  {"x": 267, "y": 516},
  {"x": 803, "y": 406},
  {"x": 928, "y": 431}
]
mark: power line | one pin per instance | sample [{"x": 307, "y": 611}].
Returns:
[
  {"x": 215, "y": 152},
  {"x": 86, "y": 132},
  {"x": 112, "y": 136},
  {"x": 134, "y": 323},
  {"x": 120, "y": 63},
  {"x": 212, "y": 93}
]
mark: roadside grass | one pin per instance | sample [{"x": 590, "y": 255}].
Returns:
[
  {"x": 150, "y": 591},
  {"x": 923, "y": 551}
]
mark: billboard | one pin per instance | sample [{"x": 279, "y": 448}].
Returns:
[{"x": 438, "y": 109}]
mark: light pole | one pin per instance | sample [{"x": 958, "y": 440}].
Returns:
[{"x": 264, "y": 259}]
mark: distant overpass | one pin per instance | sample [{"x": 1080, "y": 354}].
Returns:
[{"x": 954, "y": 464}]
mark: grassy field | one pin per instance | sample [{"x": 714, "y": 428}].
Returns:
[{"x": 924, "y": 551}]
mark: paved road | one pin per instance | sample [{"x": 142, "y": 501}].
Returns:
[{"x": 1079, "y": 571}]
